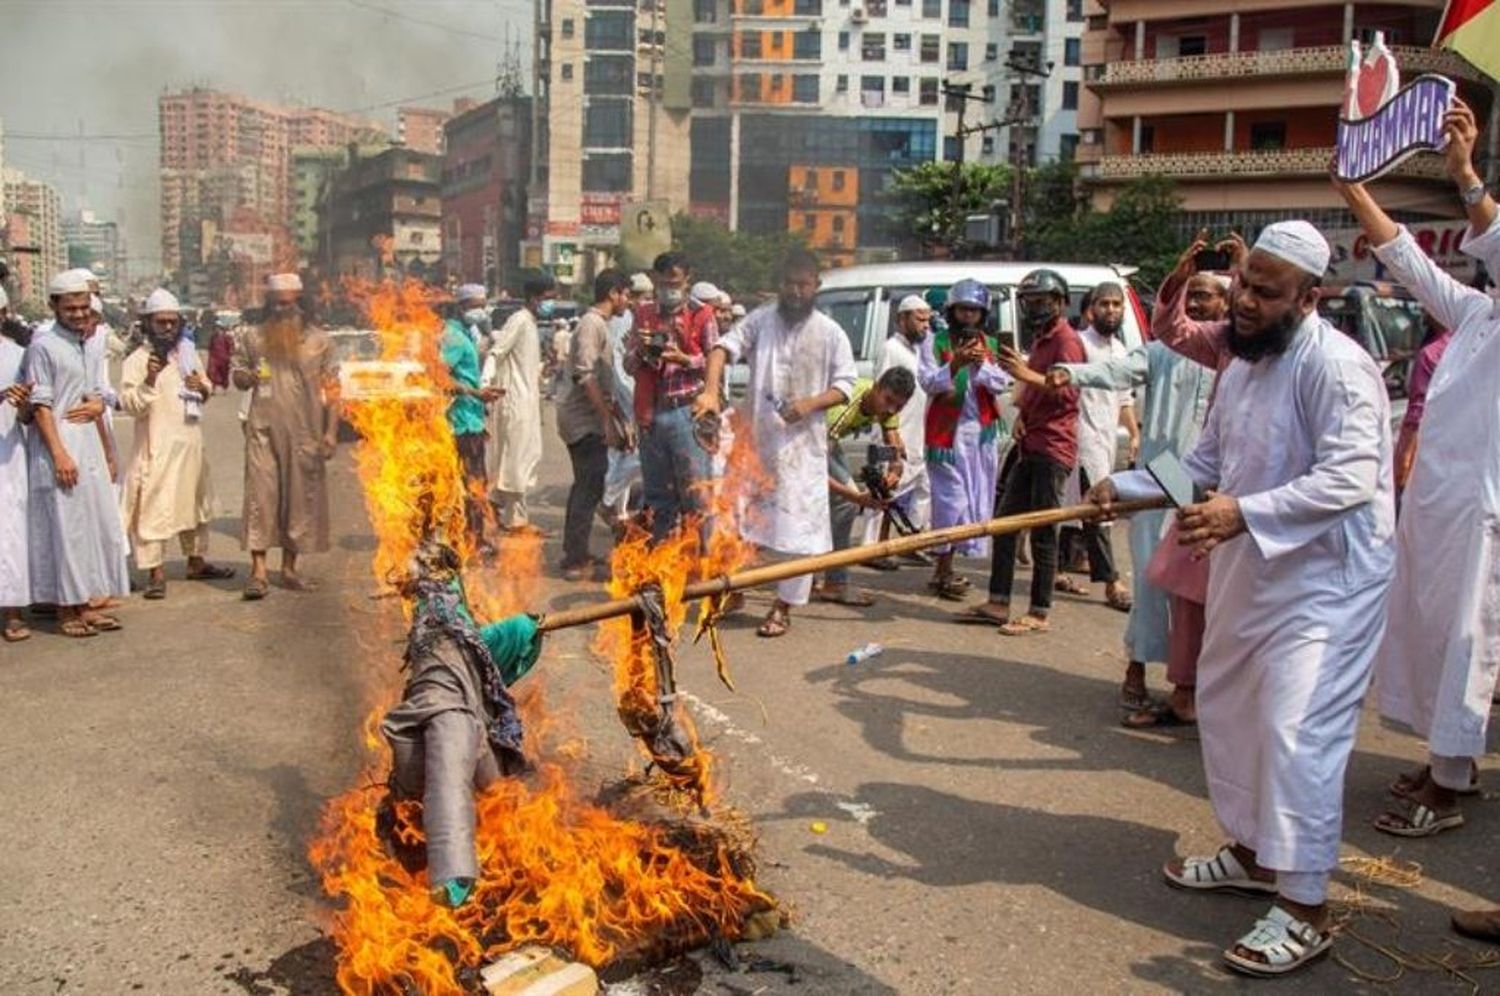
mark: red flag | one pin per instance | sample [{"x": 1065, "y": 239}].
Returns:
[{"x": 1472, "y": 29}]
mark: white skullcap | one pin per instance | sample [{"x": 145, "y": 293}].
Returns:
[
  {"x": 471, "y": 292},
  {"x": 96, "y": 305},
  {"x": 4, "y": 298},
  {"x": 283, "y": 282},
  {"x": 160, "y": 300},
  {"x": 641, "y": 284},
  {"x": 737, "y": 311},
  {"x": 68, "y": 282},
  {"x": 704, "y": 292},
  {"x": 1298, "y": 243},
  {"x": 912, "y": 302}
]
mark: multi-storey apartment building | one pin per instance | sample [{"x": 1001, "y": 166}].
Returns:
[
  {"x": 485, "y": 163},
  {"x": 421, "y": 128},
  {"x": 34, "y": 224},
  {"x": 1238, "y": 103},
  {"x": 99, "y": 242}
]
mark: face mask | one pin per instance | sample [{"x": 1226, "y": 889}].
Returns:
[
  {"x": 1036, "y": 313},
  {"x": 477, "y": 317},
  {"x": 671, "y": 298},
  {"x": 546, "y": 309}
]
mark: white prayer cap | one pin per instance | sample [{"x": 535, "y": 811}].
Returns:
[
  {"x": 705, "y": 293},
  {"x": 912, "y": 302},
  {"x": 69, "y": 282},
  {"x": 471, "y": 292},
  {"x": 160, "y": 300},
  {"x": 283, "y": 282},
  {"x": 4, "y": 298},
  {"x": 641, "y": 284},
  {"x": 96, "y": 305},
  {"x": 1298, "y": 243},
  {"x": 737, "y": 311}
]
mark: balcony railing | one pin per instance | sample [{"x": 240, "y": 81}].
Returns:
[
  {"x": 1270, "y": 162},
  {"x": 1285, "y": 62}
]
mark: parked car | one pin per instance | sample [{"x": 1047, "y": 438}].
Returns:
[{"x": 1388, "y": 322}]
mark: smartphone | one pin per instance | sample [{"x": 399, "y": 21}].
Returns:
[
  {"x": 1211, "y": 261},
  {"x": 1169, "y": 473}
]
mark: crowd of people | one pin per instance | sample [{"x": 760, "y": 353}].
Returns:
[{"x": 1273, "y": 596}]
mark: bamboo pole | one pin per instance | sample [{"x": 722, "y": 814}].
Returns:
[{"x": 780, "y": 571}]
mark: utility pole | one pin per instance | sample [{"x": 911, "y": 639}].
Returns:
[
  {"x": 961, "y": 92},
  {"x": 1020, "y": 112},
  {"x": 651, "y": 129}
]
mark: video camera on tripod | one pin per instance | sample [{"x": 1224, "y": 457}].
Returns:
[{"x": 872, "y": 476}]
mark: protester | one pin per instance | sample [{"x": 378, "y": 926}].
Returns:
[
  {"x": 902, "y": 350},
  {"x": 459, "y": 350},
  {"x": 1048, "y": 448},
  {"x": 957, "y": 369},
  {"x": 513, "y": 366},
  {"x": 15, "y": 572},
  {"x": 1299, "y": 520},
  {"x": 873, "y": 403},
  {"x": 623, "y": 480},
  {"x": 1164, "y": 625},
  {"x": 167, "y": 489},
  {"x": 76, "y": 547},
  {"x": 1101, "y": 410},
  {"x": 291, "y": 431},
  {"x": 801, "y": 364},
  {"x": 668, "y": 351},
  {"x": 1434, "y": 344},
  {"x": 472, "y": 301},
  {"x": 589, "y": 420},
  {"x": 221, "y": 348},
  {"x": 1437, "y": 666}
]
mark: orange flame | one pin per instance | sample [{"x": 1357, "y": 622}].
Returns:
[{"x": 556, "y": 869}]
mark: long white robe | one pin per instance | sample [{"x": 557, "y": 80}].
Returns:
[
  {"x": 167, "y": 488},
  {"x": 514, "y": 447},
  {"x": 1175, "y": 404},
  {"x": 1098, "y": 418},
  {"x": 1437, "y": 665},
  {"x": 1296, "y": 605},
  {"x": 786, "y": 363},
  {"x": 77, "y": 543},
  {"x": 15, "y": 574},
  {"x": 899, "y": 352}
]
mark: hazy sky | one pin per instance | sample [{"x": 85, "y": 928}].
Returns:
[{"x": 97, "y": 67}]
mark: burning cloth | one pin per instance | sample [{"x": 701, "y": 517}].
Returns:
[{"x": 456, "y": 729}]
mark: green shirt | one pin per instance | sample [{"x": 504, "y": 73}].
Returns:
[
  {"x": 846, "y": 419},
  {"x": 465, "y": 412}
]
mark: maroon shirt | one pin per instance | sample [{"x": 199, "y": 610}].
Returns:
[{"x": 1050, "y": 418}]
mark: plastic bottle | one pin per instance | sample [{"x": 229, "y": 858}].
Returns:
[{"x": 864, "y": 653}]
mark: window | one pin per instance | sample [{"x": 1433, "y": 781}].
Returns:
[
  {"x": 838, "y": 224},
  {"x": 987, "y": 145},
  {"x": 872, "y": 46},
  {"x": 900, "y": 84},
  {"x": 932, "y": 8},
  {"x": 843, "y": 41},
  {"x": 567, "y": 72},
  {"x": 1067, "y": 148},
  {"x": 1180, "y": 45},
  {"x": 958, "y": 55},
  {"x": 607, "y": 172},
  {"x": 608, "y": 75},
  {"x": 1277, "y": 39},
  {"x": 928, "y": 91},
  {"x": 838, "y": 179},
  {"x": 607, "y": 125},
  {"x": 1075, "y": 10},
  {"x": 567, "y": 27},
  {"x": 841, "y": 85},
  {"x": 1072, "y": 54},
  {"x": 875, "y": 8},
  {"x": 750, "y": 45},
  {"x": 872, "y": 84},
  {"x": 1268, "y": 135},
  {"x": 931, "y": 46},
  {"x": 750, "y": 89},
  {"x": 993, "y": 8},
  {"x": 805, "y": 88},
  {"x": 703, "y": 51},
  {"x": 903, "y": 3},
  {"x": 808, "y": 8},
  {"x": 703, "y": 93},
  {"x": 901, "y": 43},
  {"x": 1070, "y": 96},
  {"x": 1148, "y": 138},
  {"x": 610, "y": 30},
  {"x": 991, "y": 52},
  {"x": 958, "y": 13},
  {"x": 807, "y": 45},
  {"x": 950, "y": 149},
  {"x": 705, "y": 11}
]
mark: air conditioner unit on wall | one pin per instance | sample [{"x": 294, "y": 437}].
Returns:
[{"x": 859, "y": 15}]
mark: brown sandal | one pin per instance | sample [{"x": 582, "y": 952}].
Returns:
[
  {"x": 1068, "y": 586},
  {"x": 16, "y": 630},
  {"x": 76, "y": 627},
  {"x": 102, "y": 622},
  {"x": 1025, "y": 626},
  {"x": 776, "y": 623}
]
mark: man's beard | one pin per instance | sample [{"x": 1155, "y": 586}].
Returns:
[
  {"x": 283, "y": 338},
  {"x": 793, "y": 312},
  {"x": 1272, "y": 341},
  {"x": 1108, "y": 331},
  {"x": 16, "y": 330}
]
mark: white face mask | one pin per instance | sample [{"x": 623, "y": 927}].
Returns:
[{"x": 478, "y": 317}]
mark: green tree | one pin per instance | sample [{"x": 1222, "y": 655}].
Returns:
[
  {"x": 1139, "y": 229},
  {"x": 921, "y": 199},
  {"x": 741, "y": 263}
]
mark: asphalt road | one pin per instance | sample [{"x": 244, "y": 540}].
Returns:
[{"x": 989, "y": 826}]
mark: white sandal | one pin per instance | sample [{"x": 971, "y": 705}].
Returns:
[
  {"x": 1285, "y": 943},
  {"x": 1222, "y": 872},
  {"x": 1419, "y": 820}
]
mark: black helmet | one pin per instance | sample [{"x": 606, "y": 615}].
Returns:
[{"x": 1042, "y": 282}]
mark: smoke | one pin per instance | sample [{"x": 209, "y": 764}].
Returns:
[{"x": 72, "y": 65}]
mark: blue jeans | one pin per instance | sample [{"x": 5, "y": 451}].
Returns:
[{"x": 675, "y": 470}]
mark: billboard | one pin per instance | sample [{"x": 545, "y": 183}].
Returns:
[{"x": 1354, "y": 259}]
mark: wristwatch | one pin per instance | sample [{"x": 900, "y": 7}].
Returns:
[{"x": 1473, "y": 195}]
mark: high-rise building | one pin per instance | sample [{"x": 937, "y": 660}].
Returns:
[
  {"x": 226, "y": 195},
  {"x": 313, "y": 169},
  {"x": 1035, "y": 67},
  {"x": 485, "y": 163},
  {"x": 1238, "y": 103},
  {"x": 421, "y": 128},
  {"x": 34, "y": 224},
  {"x": 96, "y": 244},
  {"x": 382, "y": 216}
]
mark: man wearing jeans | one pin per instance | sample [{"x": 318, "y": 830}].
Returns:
[
  {"x": 668, "y": 352},
  {"x": 1048, "y": 449},
  {"x": 588, "y": 419}
]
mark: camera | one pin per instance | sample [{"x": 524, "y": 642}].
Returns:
[
  {"x": 653, "y": 343},
  {"x": 877, "y": 454},
  {"x": 872, "y": 476}
]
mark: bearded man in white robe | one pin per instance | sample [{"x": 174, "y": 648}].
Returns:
[
  {"x": 1437, "y": 666},
  {"x": 1299, "y": 521},
  {"x": 801, "y": 364}
]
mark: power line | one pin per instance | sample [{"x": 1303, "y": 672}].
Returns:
[{"x": 402, "y": 16}]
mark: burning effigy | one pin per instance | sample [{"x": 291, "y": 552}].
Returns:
[{"x": 466, "y": 840}]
